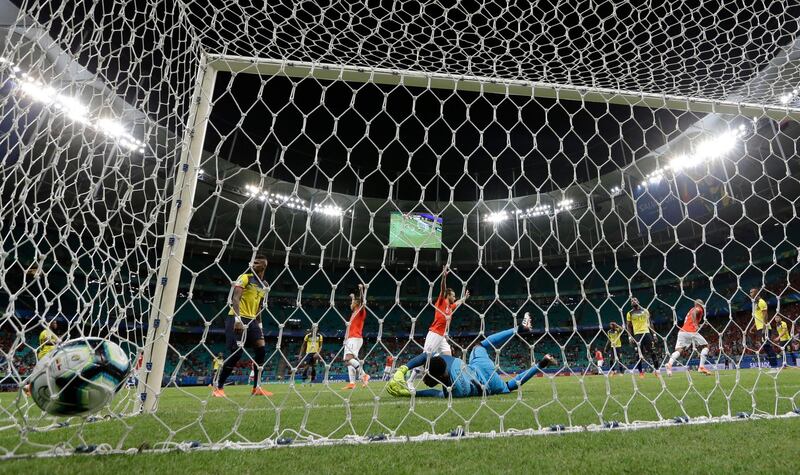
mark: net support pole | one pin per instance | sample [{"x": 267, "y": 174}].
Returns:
[{"x": 169, "y": 272}]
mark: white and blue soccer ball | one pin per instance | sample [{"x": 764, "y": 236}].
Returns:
[{"x": 79, "y": 377}]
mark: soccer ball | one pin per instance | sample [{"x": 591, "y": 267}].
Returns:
[{"x": 79, "y": 377}]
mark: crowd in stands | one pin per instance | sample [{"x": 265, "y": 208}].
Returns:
[
  {"x": 726, "y": 336},
  {"x": 570, "y": 325}
]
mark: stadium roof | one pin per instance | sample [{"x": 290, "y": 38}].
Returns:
[{"x": 631, "y": 139}]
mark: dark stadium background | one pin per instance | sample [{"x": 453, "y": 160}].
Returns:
[{"x": 493, "y": 152}]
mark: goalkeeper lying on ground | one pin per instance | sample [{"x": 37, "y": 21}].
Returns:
[{"x": 476, "y": 378}]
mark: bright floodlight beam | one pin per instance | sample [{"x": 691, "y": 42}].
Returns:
[
  {"x": 111, "y": 127},
  {"x": 73, "y": 109},
  {"x": 709, "y": 149},
  {"x": 497, "y": 217}
]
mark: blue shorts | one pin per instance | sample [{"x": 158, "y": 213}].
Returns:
[
  {"x": 252, "y": 330},
  {"x": 482, "y": 364}
]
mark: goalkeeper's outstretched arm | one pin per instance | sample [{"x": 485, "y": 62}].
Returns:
[{"x": 522, "y": 378}]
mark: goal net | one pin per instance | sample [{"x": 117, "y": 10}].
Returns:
[{"x": 625, "y": 176}]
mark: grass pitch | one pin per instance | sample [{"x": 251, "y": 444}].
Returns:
[{"x": 305, "y": 411}]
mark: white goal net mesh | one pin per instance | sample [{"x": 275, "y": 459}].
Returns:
[{"x": 552, "y": 160}]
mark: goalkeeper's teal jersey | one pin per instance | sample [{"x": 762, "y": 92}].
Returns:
[
  {"x": 471, "y": 379},
  {"x": 476, "y": 378},
  {"x": 465, "y": 381}
]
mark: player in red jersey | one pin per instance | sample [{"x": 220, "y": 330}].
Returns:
[
  {"x": 689, "y": 335},
  {"x": 599, "y": 360},
  {"x": 387, "y": 370},
  {"x": 355, "y": 338},
  {"x": 436, "y": 339}
]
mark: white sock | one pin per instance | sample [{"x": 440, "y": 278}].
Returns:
[
  {"x": 703, "y": 356},
  {"x": 674, "y": 357},
  {"x": 351, "y": 373},
  {"x": 357, "y": 366}
]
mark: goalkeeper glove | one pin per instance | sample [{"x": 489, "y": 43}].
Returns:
[{"x": 397, "y": 386}]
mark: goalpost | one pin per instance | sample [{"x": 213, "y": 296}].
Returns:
[
  {"x": 159, "y": 326},
  {"x": 562, "y": 199}
]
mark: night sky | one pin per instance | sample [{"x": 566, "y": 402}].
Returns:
[{"x": 414, "y": 132}]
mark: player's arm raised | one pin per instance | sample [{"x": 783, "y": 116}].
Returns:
[
  {"x": 362, "y": 295},
  {"x": 463, "y": 299},
  {"x": 608, "y": 338},
  {"x": 443, "y": 286}
]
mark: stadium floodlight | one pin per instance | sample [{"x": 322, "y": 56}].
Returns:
[
  {"x": 565, "y": 205},
  {"x": 680, "y": 162},
  {"x": 497, "y": 217},
  {"x": 72, "y": 108},
  {"x": 329, "y": 210},
  {"x": 715, "y": 147},
  {"x": 37, "y": 91},
  {"x": 535, "y": 211},
  {"x": 615, "y": 191},
  {"x": 110, "y": 127},
  {"x": 707, "y": 150},
  {"x": 280, "y": 199}
]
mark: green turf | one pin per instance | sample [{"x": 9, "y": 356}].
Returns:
[
  {"x": 187, "y": 414},
  {"x": 740, "y": 447}
]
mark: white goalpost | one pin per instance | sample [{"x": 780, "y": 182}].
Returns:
[
  {"x": 545, "y": 167},
  {"x": 163, "y": 308}
]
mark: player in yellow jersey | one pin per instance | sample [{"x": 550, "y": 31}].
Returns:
[
  {"x": 761, "y": 328},
  {"x": 615, "y": 343},
  {"x": 243, "y": 325},
  {"x": 309, "y": 353},
  {"x": 48, "y": 339},
  {"x": 216, "y": 364},
  {"x": 785, "y": 341},
  {"x": 642, "y": 335}
]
